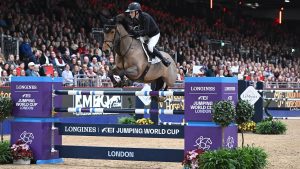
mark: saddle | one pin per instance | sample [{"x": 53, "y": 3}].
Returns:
[{"x": 150, "y": 58}]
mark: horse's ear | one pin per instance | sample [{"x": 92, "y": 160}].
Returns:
[
  {"x": 111, "y": 21},
  {"x": 106, "y": 29}
]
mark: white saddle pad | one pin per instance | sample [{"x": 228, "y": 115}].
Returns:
[
  {"x": 155, "y": 60},
  {"x": 152, "y": 61}
]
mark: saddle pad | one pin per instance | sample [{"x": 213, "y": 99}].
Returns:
[
  {"x": 152, "y": 61},
  {"x": 155, "y": 60}
]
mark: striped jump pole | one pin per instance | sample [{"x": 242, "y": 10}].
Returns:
[
  {"x": 97, "y": 111},
  {"x": 283, "y": 99},
  {"x": 121, "y": 93},
  {"x": 287, "y": 118},
  {"x": 278, "y": 90},
  {"x": 172, "y": 124}
]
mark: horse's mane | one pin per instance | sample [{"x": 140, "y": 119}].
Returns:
[{"x": 123, "y": 20}]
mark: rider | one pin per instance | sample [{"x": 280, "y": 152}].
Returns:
[{"x": 147, "y": 27}]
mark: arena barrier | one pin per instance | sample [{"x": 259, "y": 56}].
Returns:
[
  {"x": 277, "y": 103},
  {"x": 37, "y": 124},
  {"x": 282, "y": 96}
]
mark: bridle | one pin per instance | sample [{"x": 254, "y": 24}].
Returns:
[{"x": 117, "y": 41}]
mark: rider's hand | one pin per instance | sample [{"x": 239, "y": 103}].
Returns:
[{"x": 134, "y": 33}]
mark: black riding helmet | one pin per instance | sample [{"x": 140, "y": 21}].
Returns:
[{"x": 134, "y": 6}]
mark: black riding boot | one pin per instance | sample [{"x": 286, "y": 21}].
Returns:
[{"x": 160, "y": 56}]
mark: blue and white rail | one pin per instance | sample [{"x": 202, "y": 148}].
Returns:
[
  {"x": 279, "y": 90},
  {"x": 99, "y": 111},
  {"x": 121, "y": 93},
  {"x": 283, "y": 99}
]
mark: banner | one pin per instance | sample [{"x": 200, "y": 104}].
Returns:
[
  {"x": 284, "y": 104},
  {"x": 97, "y": 101}
]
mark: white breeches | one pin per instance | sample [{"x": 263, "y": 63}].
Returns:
[{"x": 153, "y": 41}]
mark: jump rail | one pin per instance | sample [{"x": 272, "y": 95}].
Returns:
[
  {"x": 284, "y": 99},
  {"x": 109, "y": 110},
  {"x": 279, "y": 90},
  {"x": 122, "y": 93}
]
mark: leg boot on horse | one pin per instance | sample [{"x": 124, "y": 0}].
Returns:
[
  {"x": 157, "y": 53},
  {"x": 119, "y": 73}
]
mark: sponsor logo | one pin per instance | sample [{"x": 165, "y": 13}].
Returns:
[
  {"x": 203, "y": 143},
  {"x": 202, "y": 88},
  {"x": 108, "y": 130},
  {"x": 28, "y": 87},
  {"x": 231, "y": 89},
  {"x": 75, "y": 129},
  {"x": 230, "y": 142},
  {"x": 27, "y": 137},
  {"x": 98, "y": 101}
]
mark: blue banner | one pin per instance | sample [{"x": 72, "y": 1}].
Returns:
[
  {"x": 118, "y": 130},
  {"x": 113, "y": 153}
]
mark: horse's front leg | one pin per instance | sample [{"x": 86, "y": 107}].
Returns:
[
  {"x": 116, "y": 71},
  {"x": 132, "y": 72}
]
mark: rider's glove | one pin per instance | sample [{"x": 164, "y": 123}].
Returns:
[{"x": 135, "y": 33}]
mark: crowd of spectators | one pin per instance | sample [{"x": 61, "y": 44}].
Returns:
[{"x": 58, "y": 34}]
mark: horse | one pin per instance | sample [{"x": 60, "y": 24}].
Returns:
[{"x": 131, "y": 58}]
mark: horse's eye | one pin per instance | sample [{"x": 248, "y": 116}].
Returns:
[{"x": 113, "y": 31}]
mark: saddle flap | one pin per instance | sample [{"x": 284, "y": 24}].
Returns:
[{"x": 145, "y": 49}]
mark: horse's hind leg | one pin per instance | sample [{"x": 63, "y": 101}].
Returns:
[
  {"x": 166, "y": 86},
  {"x": 157, "y": 85}
]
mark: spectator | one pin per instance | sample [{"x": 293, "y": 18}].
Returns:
[
  {"x": 55, "y": 74},
  {"x": 73, "y": 62},
  {"x": 5, "y": 81},
  {"x": 60, "y": 63},
  {"x": 22, "y": 72},
  {"x": 6, "y": 68},
  {"x": 210, "y": 72},
  {"x": 36, "y": 70},
  {"x": 86, "y": 61},
  {"x": 180, "y": 76},
  {"x": 67, "y": 57},
  {"x": 95, "y": 63},
  {"x": 103, "y": 73},
  {"x": 11, "y": 60},
  {"x": 25, "y": 52},
  {"x": 20, "y": 67},
  {"x": 31, "y": 69},
  {"x": 83, "y": 71},
  {"x": 68, "y": 79},
  {"x": 45, "y": 63},
  {"x": 90, "y": 73},
  {"x": 2, "y": 60},
  {"x": 76, "y": 71}
]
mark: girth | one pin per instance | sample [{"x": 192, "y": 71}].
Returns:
[{"x": 141, "y": 78}]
